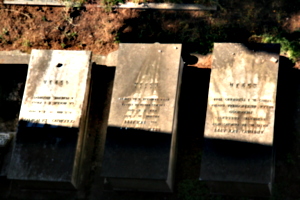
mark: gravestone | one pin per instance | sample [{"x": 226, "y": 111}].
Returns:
[
  {"x": 141, "y": 136},
  {"x": 238, "y": 138},
  {"x": 52, "y": 120}
]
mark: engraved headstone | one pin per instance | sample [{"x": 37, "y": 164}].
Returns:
[
  {"x": 238, "y": 143},
  {"x": 141, "y": 137},
  {"x": 52, "y": 119}
]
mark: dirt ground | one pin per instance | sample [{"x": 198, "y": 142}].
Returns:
[
  {"x": 101, "y": 29},
  {"x": 36, "y": 27},
  {"x": 93, "y": 28}
]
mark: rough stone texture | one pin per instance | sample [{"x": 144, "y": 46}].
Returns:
[
  {"x": 110, "y": 60},
  {"x": 35, "y": 2},
  {"x": 140, "y": 142},
  {"x": 56, "y": 88},
  {"x": 52, "y": 119},
  {"x": 17, "y": 57},
  {"x": 166, "y": 6},
  {"x": 145, "y": 87},
  {"x": 14, "y": 57},
  {"x": 156, "y": 6},
  {"x": 239, "y": 128}
]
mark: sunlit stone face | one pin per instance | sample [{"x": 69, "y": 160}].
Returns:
[
  {"x": 146, "y": 87},
  {"x": 242, "y": 94},
  {"x": 55, "y": 88}
]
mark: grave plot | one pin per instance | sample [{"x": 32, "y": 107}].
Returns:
[
  {"x": 238, "y": 144},
  {"x": 52, "y": 120},
  {"x": 141, "y": 137}
]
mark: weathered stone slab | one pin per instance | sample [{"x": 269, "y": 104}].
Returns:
[
  {"x": 166, "y": 6},
  {"x": 238, "y": 146},
  {"x": 45, "y": 2},
  {"x": 141, "y": 137},
  {"x": 14, "y": 57},
  {"x": 52, "y": 118},
  {"x": 35, "y": 2},
  {"x": 17, "y": 57}
]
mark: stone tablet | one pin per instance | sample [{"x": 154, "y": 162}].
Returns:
[
  {"x": 140, "y": 144},
  {"x": 52, "y": 118},
  {"x": 238, "y": 146},
  {"x": 35, "y": 2}
]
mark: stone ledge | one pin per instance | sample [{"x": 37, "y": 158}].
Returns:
[
  {"x": 17, "y": 57},
  {"x": 166, "y": 6},
  {"x": 156, "y": 6}
]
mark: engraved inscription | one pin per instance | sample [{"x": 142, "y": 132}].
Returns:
[
  {"x": 50, "y": 114},
  {"x": 143, "y": 106},
  {"x": 142, "y": 112},
  {"x": 240, "y": 117}
]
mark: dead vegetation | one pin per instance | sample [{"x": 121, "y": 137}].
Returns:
[
  {"x": 41, "y": 27},
  {"x": 101, "y": 29}
]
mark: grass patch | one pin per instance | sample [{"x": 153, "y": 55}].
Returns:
[{"x": 289, "y": 47}]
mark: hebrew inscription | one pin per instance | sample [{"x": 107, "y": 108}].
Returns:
[
  {"x": 144, "y": 92},
  {"x": 143, "y": 105},
  {"x": 242, "y": 94},
  {"x": 241, "y": 115},
  {"x": 55, "y": 88}
]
